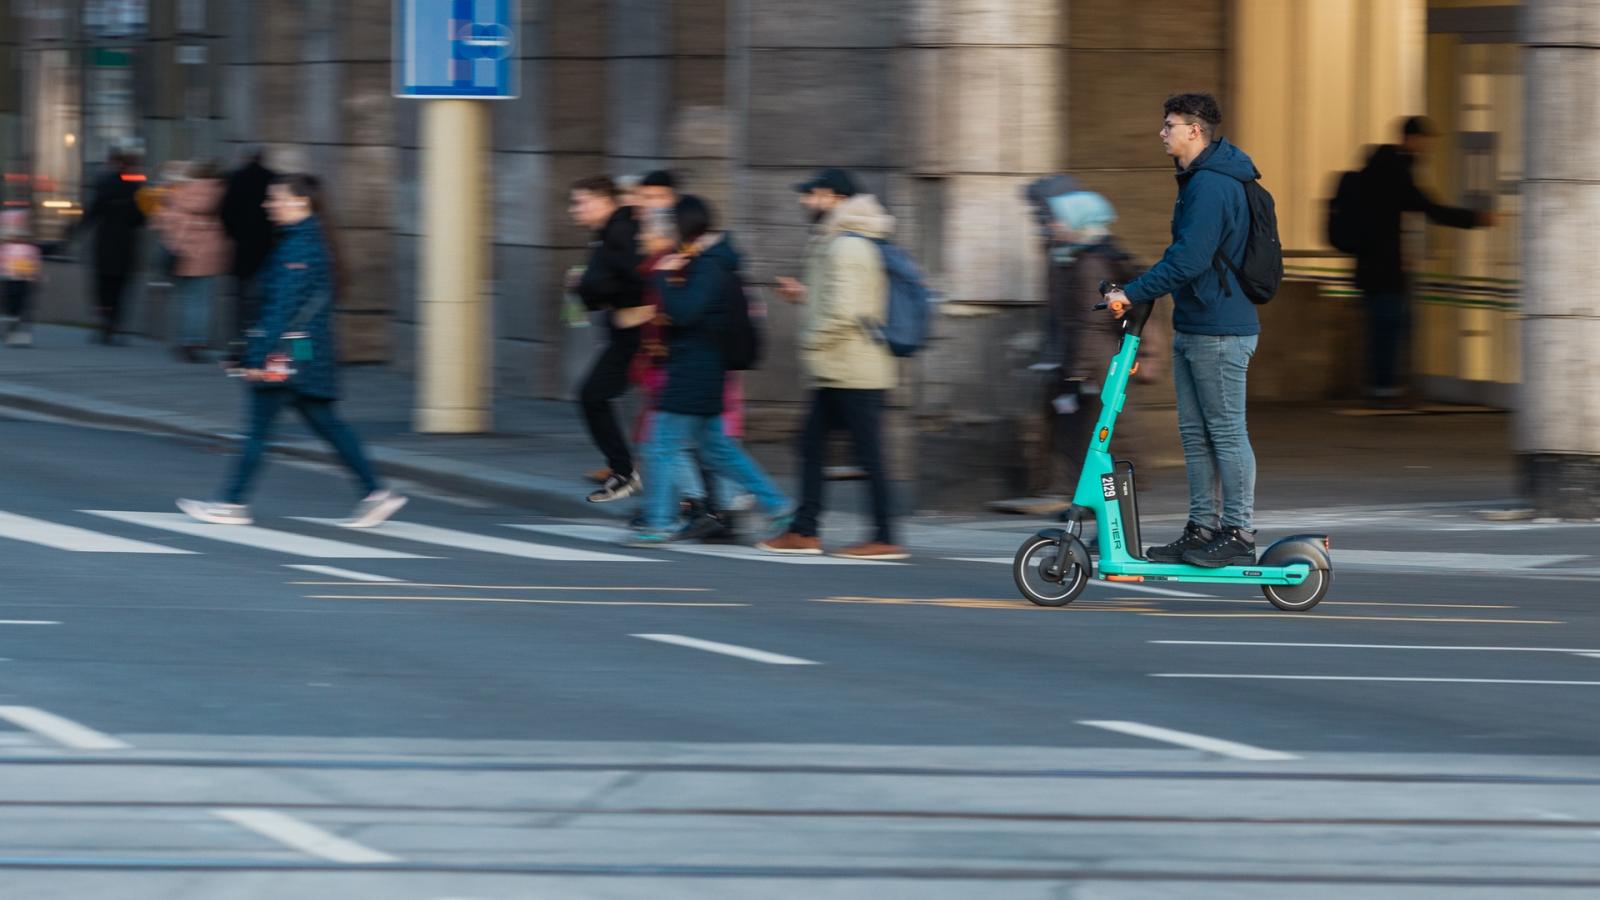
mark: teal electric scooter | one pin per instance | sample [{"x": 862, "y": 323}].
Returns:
[{"x": 1053, "y": 566}]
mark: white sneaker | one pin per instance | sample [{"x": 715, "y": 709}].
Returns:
[
  {"x": 375, "y": 509},
  {"x": 615, "y": 487},
  {"x": 216, "y": 513}
]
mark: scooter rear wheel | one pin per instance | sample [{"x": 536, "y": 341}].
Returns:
[
  {"x": 1036, "y": 555},
  {"x": 1300, "y": 597}
]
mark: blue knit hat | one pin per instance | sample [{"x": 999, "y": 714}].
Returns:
[{"x": 1082, "y": 210}]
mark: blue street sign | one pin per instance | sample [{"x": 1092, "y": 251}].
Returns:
[{"x": 456, "y": 49}]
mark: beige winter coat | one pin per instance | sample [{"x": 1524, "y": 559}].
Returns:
[
  {"x": 191, "y": 227},
  {"x": 847, "y": 293}
]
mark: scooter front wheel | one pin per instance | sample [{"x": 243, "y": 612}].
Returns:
[
  {"x": 1300, "y": 597},
  {"x": 1031, "y": 571}
]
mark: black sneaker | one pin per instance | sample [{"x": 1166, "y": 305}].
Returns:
[
  {"x": 1195, "y": 536},
  {"x": 727, "y": 529},
  {"x": 699, "y": 522},
  {"x": 1231, "y": 547}
]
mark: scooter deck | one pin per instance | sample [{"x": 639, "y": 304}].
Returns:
[{"x": 1159, "y": 572}]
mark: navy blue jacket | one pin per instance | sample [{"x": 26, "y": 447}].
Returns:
[
  {"x": 296, "y": 272},
  {"x": 697, "y": 305},
  {"x": 1211, "y": 215}
]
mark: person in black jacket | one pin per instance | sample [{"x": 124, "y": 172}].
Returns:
[
  {"x": 697, "y": 284},
  {"x": 116, "y": 220},
  {"x": 612, "y": 282},
  {"x": 1388, "y": 189},
  {"x": 245, "y": 220}
]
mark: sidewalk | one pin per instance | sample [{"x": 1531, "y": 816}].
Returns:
[{"x": 1308, "y": 457}]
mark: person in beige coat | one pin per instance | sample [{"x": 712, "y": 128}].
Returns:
[
  {"x": 847, "y": 369},
  {"x": 190, "y": 226}
]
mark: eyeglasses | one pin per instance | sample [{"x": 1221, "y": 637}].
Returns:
[{"x": 1173, "y": 126}]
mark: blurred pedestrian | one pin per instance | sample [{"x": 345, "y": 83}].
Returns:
[
  {"x": 698, "y": 284},
  {"x": 190, "y": 227},
  {"x": 244, "y": 218},
  {"x": 116, "y": 221},
  {"x": 20, "y": 271},
  {"x": 1079, "y": 343},
  {"x": 1388, "y": 188},
  {"x": 289, "y": 360},
  {"x": 846, "y": 289},
  {"x": 610, "y": 282}
]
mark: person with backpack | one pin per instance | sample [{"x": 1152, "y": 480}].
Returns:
[
  {"x": 702, "y": 299},
  {"x": 1366, "y": 220},
  {"x": 1224, "y": 237},
  {"x": 845, "y": 351},
  {"x": 289, "y": 359}
]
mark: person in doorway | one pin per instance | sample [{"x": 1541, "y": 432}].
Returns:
[
  {"x": 696, "y": 284},
  {"x": 1388, "y": 191},
  {"x": 1216, "y": 330},
  {"x": 190, "y": 227},
  {"x": 846, "y": 290},
  {"x": 300, "y": 284},
  {"x": 612, "y": 282},
  {"x": 116, "y": 220}
]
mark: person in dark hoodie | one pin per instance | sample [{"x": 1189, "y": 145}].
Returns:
[
  {"x": 244, "y": 218},
  {"x": 1216, "y": 330},
  {"x": 116, "y": 219},
  {"x": 611, "y": 282},
  {"x": 696, "y": 285},
  {"x": 1389, "y": 189}
]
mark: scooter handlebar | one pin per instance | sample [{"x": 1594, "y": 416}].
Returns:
[{"x": 1138, "y": 313}]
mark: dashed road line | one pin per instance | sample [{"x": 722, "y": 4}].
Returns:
[
  {"x": 529, "y": 587},
  {"x": 761, "y": 656},
  {"x": 27, "y": 622},
  {"x": 530, "y": 600},
  {"x": 252, "y": 536},
  {"x": 483, "y": 543},
  {"x": 1305, "y": 617},
  {"x": 77, "y": 540},
  {"x": 63, "y": 731},
  {"x": 1218, "y": 746},
  {"x": 346, "y": 574},
  {"x": 304, "y": 836}
]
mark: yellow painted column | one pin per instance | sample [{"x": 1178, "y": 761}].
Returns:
[{"x": 454, "y": 353}]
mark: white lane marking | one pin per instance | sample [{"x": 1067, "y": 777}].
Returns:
[
  {"x": 542, "y": 602},
  {"x": 63, "y": 731},
  {"x": 1401, "y": 559},
  {"x": 1578, "y": 650},
  {"x": 1376, "y": 678},
  {"x": 252, "y": 536},
  {"x": 346, "y": 574},
  {"x": 608, "y": 534},
  {"x": 776, "y": 659},
  {"x": 303, "y": 836},
  {"x": 77, "y": 540},
  {"x": 482, "y": 543},
  {"x": 1192, "y": 741},
  {"x": 27, "y": 622}
]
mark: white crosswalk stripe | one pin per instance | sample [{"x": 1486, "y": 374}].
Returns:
[
  {"x": 611, "y": 535},
  {"x": 252, "y": 536},
  {"x": 77, "y": 540},
  {"x": 482, "y": 543}
]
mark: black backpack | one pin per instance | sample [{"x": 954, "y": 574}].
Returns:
[
  {"x": 741, "y": 336},
  {"x": 1344, "y": 214},
  {"x": 1262, "y": 271}
]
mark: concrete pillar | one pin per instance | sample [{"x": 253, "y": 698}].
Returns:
[
  {"x": 453, "y": 385},
  {"x": 1558, "y": 415}
]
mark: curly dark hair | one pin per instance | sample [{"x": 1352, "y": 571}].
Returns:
[{"x": 1201, "y": 108}]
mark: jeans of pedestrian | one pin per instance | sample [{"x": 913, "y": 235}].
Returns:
[
  {"x": 194, "y": 294},
  {"x": 674, "y": 435},
  {"x": 861, "y": 413},
  {"x": 607, "y": 381},
  {"x": 1388, "y": 332},
  {"x": 691, "y": 484},
  {"x": 265, "y": 404},
  {"x": 1210, "y": 372}
]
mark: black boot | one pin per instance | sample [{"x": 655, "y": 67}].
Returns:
[
  {"x": 699, "y": 522},
  {"x": 1195, "y": 536},
  {"x": 1231, "y": 547}
]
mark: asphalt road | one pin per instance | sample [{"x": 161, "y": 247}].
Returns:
[{"x": 478, "y": 703}]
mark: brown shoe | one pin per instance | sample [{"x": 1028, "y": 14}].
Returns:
[
  {"x": 598, "y": 476},
  {"x": 793, "y": 544},
  {"x": 873, "y": 550}
]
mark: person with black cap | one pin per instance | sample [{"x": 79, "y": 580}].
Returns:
[
  {"x": 1389, "y": 189},
  {"x": 849, "y": 371}
]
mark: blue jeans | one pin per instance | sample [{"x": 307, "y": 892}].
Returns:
[
  {"x": 691, "y": 485},
  {"x": 194, "y": 310},
  {"x": 671, "y": 438},
  {"x": 1209, "y": 372},
  {"x": 265, "y": 404}
]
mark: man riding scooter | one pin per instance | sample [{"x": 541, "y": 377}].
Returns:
[{"x": 1215, "y": 333}]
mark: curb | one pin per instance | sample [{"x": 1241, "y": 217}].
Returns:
[{"x": 544, "y": 495}]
